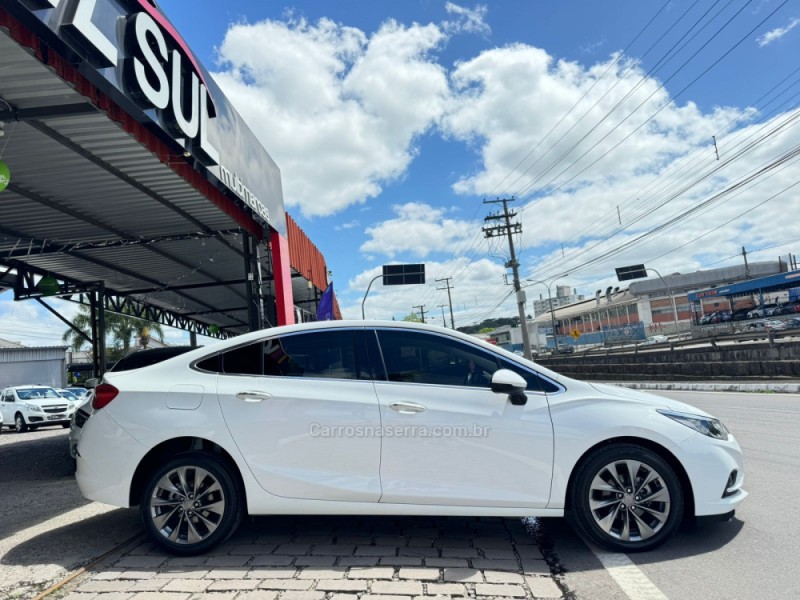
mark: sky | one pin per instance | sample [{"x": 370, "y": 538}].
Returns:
[{"x": 625, "y": 132}]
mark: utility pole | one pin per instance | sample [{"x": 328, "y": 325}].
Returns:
[
  {"x": 509, "y": 229},
  {"x": 449, "y": 300},
  {"x": 444, "y": 321},
  {"x": 746, "y": 266},
  {"x": 421, "y": 308}
]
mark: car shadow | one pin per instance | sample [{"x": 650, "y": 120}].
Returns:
[{"x": 78, "y": 543}]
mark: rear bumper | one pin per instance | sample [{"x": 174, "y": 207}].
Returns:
[{"x": 102, "y": 475}]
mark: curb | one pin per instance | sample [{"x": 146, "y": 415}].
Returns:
[{"x": 777, "y": 388}]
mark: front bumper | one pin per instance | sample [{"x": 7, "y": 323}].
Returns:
[{"x": 709, "y": 464}]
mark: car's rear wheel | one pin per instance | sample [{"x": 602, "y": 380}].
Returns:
[
  {"x": 191, "y": 504},
  {"x": 627, "y": 498},
  {"x": 19, "y": 424}
]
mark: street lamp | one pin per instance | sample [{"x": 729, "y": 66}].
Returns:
[{"x": 552, "y": 312}]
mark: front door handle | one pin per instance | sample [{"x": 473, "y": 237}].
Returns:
[
  {"x": 407, "y": 408},
  {"x": 253, "y": 396}
]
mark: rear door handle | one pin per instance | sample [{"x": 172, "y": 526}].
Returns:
[
  {"x": 253, "y": 396},
  {"x": 407, "y": 408}
]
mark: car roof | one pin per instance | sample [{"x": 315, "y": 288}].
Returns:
[{"x": 32, "y": 386}]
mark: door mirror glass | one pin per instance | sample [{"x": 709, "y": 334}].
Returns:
[{"x": 508, "y": 382}]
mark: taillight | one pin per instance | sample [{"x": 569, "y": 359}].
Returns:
[{"x": 103, "y": 394}]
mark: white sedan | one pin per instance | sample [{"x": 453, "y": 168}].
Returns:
[{"x": 384, "y": 418}]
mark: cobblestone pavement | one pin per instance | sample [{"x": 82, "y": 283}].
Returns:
[{"x": 337, "y": 558}]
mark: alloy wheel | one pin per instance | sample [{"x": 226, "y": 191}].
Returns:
[
  {"x": 187, "y": 505},
  {"x": 629, "y": 500}
]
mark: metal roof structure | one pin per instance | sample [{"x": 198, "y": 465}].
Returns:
[{"x": 105, "y": 201}]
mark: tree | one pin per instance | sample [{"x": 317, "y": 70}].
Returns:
[
  {"x": 121, "y": 329},
  {"x": 412, "y": 318}
]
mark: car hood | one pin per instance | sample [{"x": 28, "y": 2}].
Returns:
[{"x": 646, "y": 398}]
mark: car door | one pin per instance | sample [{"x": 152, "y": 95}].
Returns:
[
  {"x": 303, "y": 411},
  {"x": 4, "y": 407},
  {"x": 447, "y": 438}
]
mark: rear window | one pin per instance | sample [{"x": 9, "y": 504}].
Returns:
[{"x": 145, "y": 358}]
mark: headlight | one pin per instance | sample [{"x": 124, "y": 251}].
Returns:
[
  {"x": 709, "y": 426},
  {"x": 34, "y": 407}
]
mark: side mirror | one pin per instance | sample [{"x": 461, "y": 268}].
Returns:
[
  {"x": 91, "y": 383},
  {"x": 508, "y": 382}
]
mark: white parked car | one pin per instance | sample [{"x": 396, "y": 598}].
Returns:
[
  {"x": 384, "y": 418},
  {"x": 32, "y": 406}
]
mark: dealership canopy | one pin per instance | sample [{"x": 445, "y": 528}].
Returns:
[{"x": 133, "y": 184}]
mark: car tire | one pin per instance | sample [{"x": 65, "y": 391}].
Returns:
[
  {"x": 19, "y": 424},
  {"x": 191, "y": 504},
  {"x": 626, "y": 498}
]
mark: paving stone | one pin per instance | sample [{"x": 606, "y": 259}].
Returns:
[
  {"x": 274, "y": 538},
  {"x": 446, "y": 562},
  {"x": 344, "y": 597},
  {"x": 292, "y": 549},
  {"x": 446, "y": 589},
  {"x": 312, "y": 539},
  {"x": 535, "y": 567},
  {"x": 146, "y": 585},
  {"x": 501, "y": 577},
  {"x": 463, "y": 575},
  {"x": 490, "y": 589},
  {"x": 490, "y": 542},
  {"x": 500, "y": 553},
  {"x": 333, "y": 550},
  {"x": 421, "y": 574},
  {"x": 272, "y": 561},
  {"x": 228, "y": 573},
  {"x": 108, "y": 575},
  {"x": 390, "y": 540},
  {"x": 496, "y": 565},
  {"x": 233, "y": 584},
  {"x": 258, "y": 595},
  {"x": 137, "y": 574},
  {"x": 420, "y": 542},
  {"x": 182, "y": 573},
  {"x": 143, "y": 548},
  {"x": 356, "y": 540},
  {"x": 215, "y": 596},
  {"x": 303, "y": 596},
  {"x": 371, "y": 573},
  {"x": 342, "y": 585},
  {"x": 543, "y": 587},
  {"x": 271, "y": 573},
  {"x": 318, "y": 573},
  {"x": 419, "y": 551},
  {"x": 184, "y": 561},
  {"x": 401, "y": 561},
  {"x": 376, "y": 551},
  {"x": 452, "y": 543},
  {"x": 80, "y": 596},
  {"x": 459, "y": 553},
  {"x": 314, "y": 561},
  {"x": 404, "y": 588},
  {"x": 529, "y": 552},
  {"x": 187, "y": 585},
  {"x": 235, "y": 560},
  {"x": 381, "y": 597},
  {"x": 160, "y": 596},
  {"x": 140, "y": 562},
  {"x": 105, "y": 586},
  {"x": 253, "y": 549},
  {"x": 286, "y": 584},
  {"x": 358, "y": 561}
]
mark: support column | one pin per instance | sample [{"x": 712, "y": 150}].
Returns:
[
  {"x": 284, "y": 299},
  {"x": 253, "y": 283},
  {"x": 98, "y": 315}
]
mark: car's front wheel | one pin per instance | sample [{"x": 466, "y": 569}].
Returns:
[
  {"x": 191, "y": 504},
  {"x": 627, "y": 498},
  {"x": 19, "y": 424}
]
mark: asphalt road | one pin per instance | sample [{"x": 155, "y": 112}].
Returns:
[
  {"x": 47, "y": 529},
  {"x": 754, "y": 556}
]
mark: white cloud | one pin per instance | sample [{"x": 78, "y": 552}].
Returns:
[
  {"x": 419, "y": 230},
  {"x": 338, "y": 110},
  {"x": 347, "y": 225},
  {"x": 467, "y": 20},
  {"x": 777, "y": 33}
]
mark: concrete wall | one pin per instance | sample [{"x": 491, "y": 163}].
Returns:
[{"x": 756, "y": 361}]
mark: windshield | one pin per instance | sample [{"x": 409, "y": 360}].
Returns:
[{"x": 36, "y": 393}]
